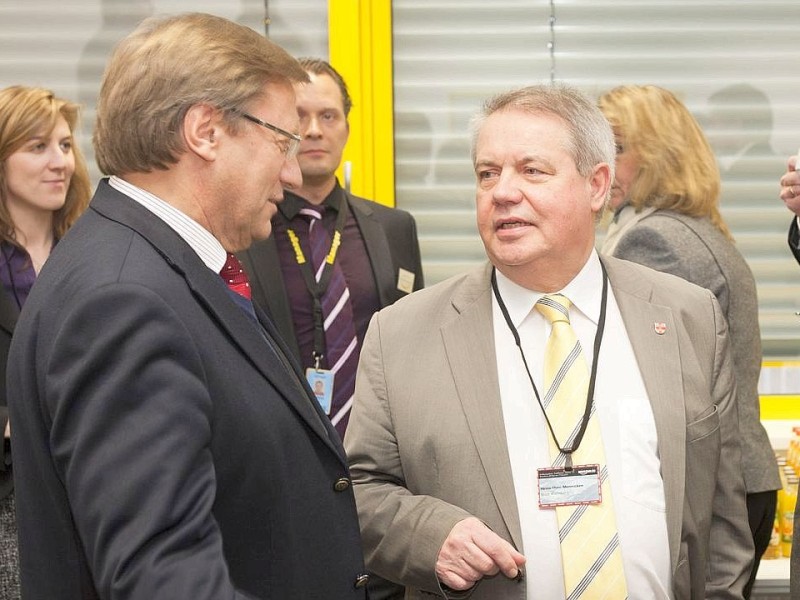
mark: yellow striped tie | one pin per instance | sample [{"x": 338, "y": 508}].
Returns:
[{"x": 589, "y": 543}]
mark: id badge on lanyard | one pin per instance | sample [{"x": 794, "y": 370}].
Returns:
[{"x": 569, "y": 487}]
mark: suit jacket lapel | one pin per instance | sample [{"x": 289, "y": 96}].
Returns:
[
  {"x": 268, "y": 288},
  {"x": 659, "y": 361},
  {"x": 279, "y": 370},
  {"x": 378, "y": 251},
  {"x": 469, "y": 344},
  {"x": 211, "y": 293},
  {"x": 294, "y": 366}
]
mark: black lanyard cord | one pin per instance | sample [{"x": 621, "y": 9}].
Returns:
[
  {"x": 598, "y": 338},
  {"x": 317, "y": 288}
]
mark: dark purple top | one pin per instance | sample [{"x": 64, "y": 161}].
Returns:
[
  {"x": 16, "y": 272},
  {"x": 354, "y": 262}
]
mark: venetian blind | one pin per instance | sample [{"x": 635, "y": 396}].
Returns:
[
  {"x": 64, "y": 46},
  {"x": 732, "y": 62}
]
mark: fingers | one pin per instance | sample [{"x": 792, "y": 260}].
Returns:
[
  {"x": 473, "y": 551},
  {"x": 791, "y": 177},
  {"x": 791, "y": 197},
  {"x": 790, "y": 186}
]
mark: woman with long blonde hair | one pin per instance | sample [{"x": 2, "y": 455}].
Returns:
[{"x": 44, "y": 186}]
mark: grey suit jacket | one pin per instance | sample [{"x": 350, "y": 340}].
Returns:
[
  {"x": 164, "y": 446},
  {"x": 390, "y": 237},
  {"x": 427, "y": 444},
  {"x": 695, "y": 250}
]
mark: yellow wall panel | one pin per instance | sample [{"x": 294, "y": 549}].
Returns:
[{"x": 360, "y": 38}]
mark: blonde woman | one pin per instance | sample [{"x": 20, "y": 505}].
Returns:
[
  {"x": 44, "y": 186},
  {"x": 666, "y": 216}
]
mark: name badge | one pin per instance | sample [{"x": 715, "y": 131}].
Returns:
[
  {"x": 321, "y": 382},
  {"x": 405, "y": 281},
  {"x": 560, "y": 487}
]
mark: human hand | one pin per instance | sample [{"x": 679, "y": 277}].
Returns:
[
  {"x": 790, "y": 186},
  {"x": 473, "y": 551}
]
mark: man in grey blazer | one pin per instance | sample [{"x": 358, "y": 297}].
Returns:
[
  {"x": 166, "y": 447},
  {"x": 448, "y": 446}
]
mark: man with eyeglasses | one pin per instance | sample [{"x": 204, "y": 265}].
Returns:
[
  {"x": 167, "y": 445},
  {"x": 371, "y": 251}
]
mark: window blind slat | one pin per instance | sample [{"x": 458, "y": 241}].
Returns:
[{"x": 450, "y": 56}]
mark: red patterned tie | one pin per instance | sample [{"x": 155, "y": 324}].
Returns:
[{"x": 235, "y": 277}]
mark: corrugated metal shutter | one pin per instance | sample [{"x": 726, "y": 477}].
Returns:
[
  {"x": 450, "y": 55},
  {"x": 64, "y": 46},
  {"x": 300, "y": 26}
]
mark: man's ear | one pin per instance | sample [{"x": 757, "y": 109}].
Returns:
[
  {"x": 201, "y": 129},
  {"x": 599, "y": 185}
]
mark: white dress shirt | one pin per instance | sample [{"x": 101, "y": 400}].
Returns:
[{"x": 626, "y": 423}]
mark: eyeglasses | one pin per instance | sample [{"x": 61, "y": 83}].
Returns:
[{"x": 289, "y": 149}]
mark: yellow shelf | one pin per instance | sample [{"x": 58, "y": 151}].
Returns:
[{"x": 783, "y": 407}]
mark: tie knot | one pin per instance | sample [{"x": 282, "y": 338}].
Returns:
[
  {"x": 232, "y": 266},
  {"x": 554, "y": 308},
  {"x": 313, "y": 214},
  {"x": 235, "y": 277}
]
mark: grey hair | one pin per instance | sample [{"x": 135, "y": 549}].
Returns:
[{"x": 591, "y": 140}]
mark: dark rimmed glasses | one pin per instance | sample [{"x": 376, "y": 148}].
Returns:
[{"x": 291, "y": 147}]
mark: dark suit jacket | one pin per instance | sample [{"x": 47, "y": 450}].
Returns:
[
  {"x": 794, "y": 244},
  {"x": 8, "y": 318},
  {"x": 163, "y": 449},
  {"x": 390, "y": 237},
  {"x": 794, "y": 239}
]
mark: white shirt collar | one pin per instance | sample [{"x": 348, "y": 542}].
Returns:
[
  {"x": 198, "y": 237},
  {"x": 584, "y": 291}
]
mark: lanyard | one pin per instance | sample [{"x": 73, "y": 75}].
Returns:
[
  {"x": 598, "y": 337},
  {"x": 317, "y": 288}
]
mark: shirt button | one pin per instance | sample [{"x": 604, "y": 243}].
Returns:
[
  {"x": 362, "y": 580},
  {"x": 341, "y": 484}
]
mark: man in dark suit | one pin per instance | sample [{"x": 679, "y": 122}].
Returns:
[
  {"x": 790, "y": 194},
  {"x": 166, "y": 446},
  {"x": 379, "y": 254}
]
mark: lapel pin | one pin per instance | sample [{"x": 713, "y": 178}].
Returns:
[{"x": 661, "y": 328}]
